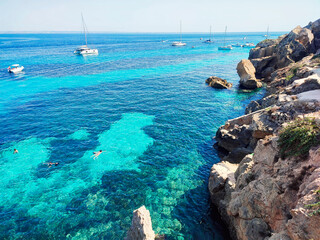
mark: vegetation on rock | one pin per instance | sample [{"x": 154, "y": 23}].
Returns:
[
  {"x": 315, "y": 207},
  {"x": 298, "y": 137}
]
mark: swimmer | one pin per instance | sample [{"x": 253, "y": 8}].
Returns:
[
  {"x": 96, "y": 154},
  {"x": 50, "y": 164},
  {"x": 15, "y": 151}
]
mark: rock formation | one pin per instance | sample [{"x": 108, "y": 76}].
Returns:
[
  {"x": 272, "y": 54},
  {"x": 141, "y": 226},
  {"x": 246, "y": 71},
  {"x": 217, "y": 82},
  {"x": 260, "y": 193}
]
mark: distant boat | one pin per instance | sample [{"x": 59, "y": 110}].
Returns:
[
  {"x": 15, "y": 68},
  {"x": 249, "y": 45},
  {"x": 225, "y": 47},
  {"x": 237, "y": 45},
  {"x": 209, "y": 40},
  {"x": 267, "y": 35},
  {"x": 179, "y": 44},
  {"x": 84, "y": 50}
]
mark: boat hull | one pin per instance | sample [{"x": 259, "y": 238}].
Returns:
[
  {"x": 178, "y": 44},
  {"x": 86, "y": 52},
  {"x": 16, "y": 70}
]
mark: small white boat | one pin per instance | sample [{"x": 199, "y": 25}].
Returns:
[
  {"x": 179, "y": 44},
  {"x": 225, "y": 47},
  {"x": 84, "y": 50},
  {"x": 229, "y": 47},
  {"x": 267, "y": 34},
  {"x": 15, "y": 68},
  {"x": 249, "y": 45}
]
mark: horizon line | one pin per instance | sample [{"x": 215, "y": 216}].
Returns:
[{"x": 13, "y": 32}]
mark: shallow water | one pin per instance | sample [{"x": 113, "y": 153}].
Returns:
[{"x": 141, "y": 101}]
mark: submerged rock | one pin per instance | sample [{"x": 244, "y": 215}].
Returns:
[
  {"x": 219, "y": 83},
  {"x": 246, "y": 71},
  {"x": 141, "y": 226}
]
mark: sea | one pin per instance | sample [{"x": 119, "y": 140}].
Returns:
[{"x": 144, "y": 103}]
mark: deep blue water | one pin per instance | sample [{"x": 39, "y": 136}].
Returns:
[{"x": 140, "y": 100}]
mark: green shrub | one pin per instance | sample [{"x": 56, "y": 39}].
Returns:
[
  {"x": 298, "y": 137},
  {"x": 288, "y": 77},
  {"x": 315, "y": 207}
]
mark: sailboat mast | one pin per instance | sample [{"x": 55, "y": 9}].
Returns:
[
  {"x": 84, "y": 29},
  {"x": 267, "y": 32},
  {"x": 210, "y": 33},
  {"x": 224, "y": 40},
  {"x": 180, "y": 32}
]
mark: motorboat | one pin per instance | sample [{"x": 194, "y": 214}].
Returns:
[
  {"x": 85, "y": 50},
  {"x": 249, "y": 45},
  {"x": 225, "y": 47},
  {"x": 179, "y": 44},
  {"x": 15, "y": 68}
]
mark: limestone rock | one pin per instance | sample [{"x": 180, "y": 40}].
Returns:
[
  {"x": 221, "y": 185},
  {"x": 264, "y": 49},
  {"x": 219, "y": 83},
  {"x": 315, "y": 28},
  {"x": 246, "y": 71},
  {"x": 295, "y": 46},
  {"x": 141, "y": 226}
]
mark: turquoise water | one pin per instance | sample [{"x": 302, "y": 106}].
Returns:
[{"x": 141, "y": 101}]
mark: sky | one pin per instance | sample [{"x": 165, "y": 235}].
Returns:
[{"x": 156, "y": 15}]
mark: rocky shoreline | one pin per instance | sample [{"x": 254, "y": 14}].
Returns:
[{"x": 259, "y": 191}]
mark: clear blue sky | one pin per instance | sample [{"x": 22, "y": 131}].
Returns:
[{"x": 156, "y": 15}]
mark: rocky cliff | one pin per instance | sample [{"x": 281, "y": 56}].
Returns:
[{"x": 267, "y": 185}]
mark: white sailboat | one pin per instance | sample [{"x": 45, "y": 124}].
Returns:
[
  {"x": 209, "y": 40},
  {"x": 84, "y": 50},
  {"x": 267, "y": 35},
  {"x": 225, "y": 47},
  {"x": 179, "y": 44}
]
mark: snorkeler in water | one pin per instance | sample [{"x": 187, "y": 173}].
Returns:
[
  {"x": 50, "y": 164},
  {"x": 96, "y": 154},
  {"x": 15, "y": 151}
]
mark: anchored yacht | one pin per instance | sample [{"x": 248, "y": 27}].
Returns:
[{"x": 84, "y": 50}]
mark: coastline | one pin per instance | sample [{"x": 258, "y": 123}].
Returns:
[{"x": 260, "y": 193}]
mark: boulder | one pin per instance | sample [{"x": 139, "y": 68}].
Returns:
[
  {"x": 219, "y": 83},
  {"x": 263, "y": 66},
  {"x": 264, "y": 49},
  {"x": 315, "y": 28},
  {"x": 295, "y": 46},
  {"x": 246, "y": 71},
  {"x": 141, "y": 226},
  {"x": 221, "y": 185}
]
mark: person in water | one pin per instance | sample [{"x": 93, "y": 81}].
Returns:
[
  {"x": 15, "y": 151},
  {"x": 50, "y": 164},
  {"x": 96, "y": 154}
]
